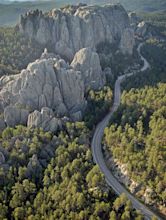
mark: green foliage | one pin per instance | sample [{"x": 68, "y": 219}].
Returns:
[
  {"x": 137, "y": 137},
  {"x": 110, "y": 56},
  {"x": 53, "y": 177},
  {"x": 10, "y": 13},
  {"x": 142, "y": 5},
  {"x": 155, "y": 52},
  {"x": 157, "y": 20},
  {"x": 98, "y": 105},
  {"x": 16, "y": 51}
]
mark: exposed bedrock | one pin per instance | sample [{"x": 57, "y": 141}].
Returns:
[
  {"x": 49, "y": 89},
  {"x": 88, "y": 63},
  {"x": 74, "y": 27},
  {"x": 44, "y": 119}
]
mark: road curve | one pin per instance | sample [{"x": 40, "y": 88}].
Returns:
[{"x": 97, "y": 147}]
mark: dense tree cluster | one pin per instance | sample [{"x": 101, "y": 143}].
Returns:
[
  {"x": 137, "y": 137},
  {"x": 110, "y": 56},
  {"x": 16, "y": 51},
  {"x": 155, "y": 52},
  {"x": 98, "y": 105},
  {"x": 157, "y": 20},
  {"x": 53, "y": 177}
]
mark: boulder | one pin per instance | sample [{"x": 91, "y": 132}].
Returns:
[
  {"x": 44, "y": 119},
  {"x": 149, "y": 196},
  {"x": 87, "y": 62},
  {"x": 77, "y": 116},
  {"x": 14, "y": 115}
]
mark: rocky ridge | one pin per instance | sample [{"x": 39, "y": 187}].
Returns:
[
  {"x": 49, "y": 89},
  {"x": 88, "y": 63},
  {"x": 71, "y": 28}
]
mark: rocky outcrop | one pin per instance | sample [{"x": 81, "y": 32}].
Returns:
[
  {"x": 14, "y": 115},
  {"x": 49, "y": 89},
  {"x": 44, "y": 119},
  {"x": 71, "y": 28},
  {"x": 127, "y": 41},
  {"x": 142, "y": 28},
  {"x": 2, "y": 158},
  {"x": 149, "y": 196},
  {"x": 48, "y": 82},
  {"x": 134, "y": 19},
  {"x": 145, "y": 30},
  {"x": 88, "y": 63},
  {"x": 34, "y": 167}
]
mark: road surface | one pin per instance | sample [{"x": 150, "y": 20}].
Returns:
[{"x": 97, "y": 148}]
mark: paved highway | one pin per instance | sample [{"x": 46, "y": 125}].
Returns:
[{"x": 97, "y": 147}]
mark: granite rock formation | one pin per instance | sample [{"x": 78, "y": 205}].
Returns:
[
  {"x": 88, "y": 63},
  {"x": 49, "y": 89},
  {"x": 48, "y": 82},
  {"x": 14, "y": 115},
  {"x": 44, "y": 119},
  {"x": 71, "y": 28},
  {"x": 127, "y": 41}
]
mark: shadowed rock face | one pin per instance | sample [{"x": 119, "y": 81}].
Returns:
[
  {"x": 127, "y": 41},
  {"x": 75, "y": 27}
]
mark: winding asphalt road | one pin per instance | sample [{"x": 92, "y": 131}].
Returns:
[{"x": 97, "y": 147}]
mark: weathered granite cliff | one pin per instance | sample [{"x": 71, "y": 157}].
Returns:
[
  {"x": 88, "y": 63},
  {"x": 71, "y": 28},
  {"x": 50, "y": 88}
]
